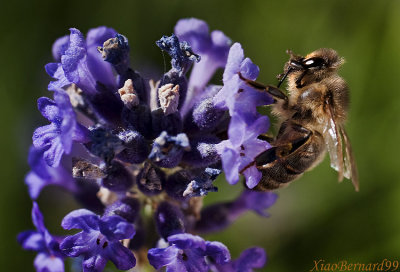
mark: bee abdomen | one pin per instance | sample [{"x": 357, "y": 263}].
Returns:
[{"x": 278, "y": 170}]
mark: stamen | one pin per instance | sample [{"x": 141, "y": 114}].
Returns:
[
  {"x": 169, "y": 98},
  {"x": 128, "y": 94}
]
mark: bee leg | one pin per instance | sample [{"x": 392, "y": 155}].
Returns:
[
  {"x": 266, "y": 137},
  {"x": 273, "y": 91},
  {"x": 298, "y": 81}
]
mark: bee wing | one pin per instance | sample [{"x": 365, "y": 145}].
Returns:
[
  {"x": 349, "y": 161},
  {"x": 333, "y": 142},
  {"x": 342, "y": 159}
]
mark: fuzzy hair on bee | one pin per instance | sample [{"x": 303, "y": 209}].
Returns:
[{"x": 312, "y": 116}]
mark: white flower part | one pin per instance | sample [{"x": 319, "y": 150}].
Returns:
[
  {"x": 153, "y": 94},
  {"x": 75, "y": 96},
  {"x": 189, "y": 189},
  {"x": 106, "y": 196},
  {"x": 168, "y": 95},
  {"x": 128, "y": 94}
]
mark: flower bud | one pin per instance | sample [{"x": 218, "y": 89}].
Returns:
[
  {"x": 118, "y": 178},
  {"x": 135, "y": 149},
  {"x": 150, "y": 180},
  {"x": 168, "y": 150},
  {"x": 139, "y": 119},
  {"x": 128, "y": 208},
  {"x": 169, "y": 220}
]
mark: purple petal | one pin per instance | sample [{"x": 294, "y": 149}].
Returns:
[
  {"x": 97, "y": 36},
  {"x": 56, "y": 71},
  {"x": 246, "y": 102},
  {"x": 36, "y": 162},
  {"x": 35, "y": 184},
  {"x": 195, "y": 32},
  {"x": 219, "y": 39},
  {"x": 100, "y": 69},
  {"x": 95, "y": 263},
  {"x": 68, "y": 125},
  {"x": 213, "y": 49},
  {"x": 195, "y": 261},
  {"x": 237, "y": 131},
  {"x": 74, "y": 63},
  {"x": 37, "y": 218},
  {"x": 230, "y": 162},
  {"x": 42, "y": 174},
  {"x": 75, "y": 53},
  {"x": 218, "y": 252},
  {"x": 47, "y": 263},
  {"x": 259, "y": 126},
  {"x": 249, "y": 70},
  {"x": 81, "y": 219},
  {"x": 53, "y": 155},
  {"x": 47, "y": 139},
  {"x": 121, "y": 256},
  {"x": 80, "y": 243},
  {"x": 225, "y": 98},
  {"x": 53, "y": 69},
  {"x": 59, "y": 47},
  {"x": 251, "y": 258},
  {"x": 252, "y": 176},
  {"x": 256, "y": 201},
  {"x": 31, "y": 240},
  {"x": 185, "y": 240},
  {"x": 45, "y": 135},
  {"x": 49, "y": 109},
  {"x": 116, "y": 228},
  {"x": 235, "y": 58},
  {"x": 253, "y": 147},
  {"x": 159, "y": 257}
]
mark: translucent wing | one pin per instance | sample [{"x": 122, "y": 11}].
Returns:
[
  {"x": 349, "y": 161},
  {"x": 342, "y": 159}
]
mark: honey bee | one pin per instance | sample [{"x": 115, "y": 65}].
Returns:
[{"x": 312, "y": 118}]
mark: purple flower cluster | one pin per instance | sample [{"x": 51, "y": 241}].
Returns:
[{"x": 140, "y": 156}]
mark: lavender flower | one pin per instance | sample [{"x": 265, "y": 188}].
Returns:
[
  {"x": 241, "y": 149},
  {"x": 98, "y": 241},
  {"x": 43, "y": 175},
  {"x": 57, "y": 138},
  {"x": 219, "y": 216},
  {"x": 212, "y": 47},
  {"x": 236, "y": 95},
  {"x": 145, "y": 155},
  {"x": 250, "y": 258},
  {"x": 188, "y": 252},
  {"x": 49, "y": 258}
]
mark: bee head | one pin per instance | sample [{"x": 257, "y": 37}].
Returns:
[
  {"x": 313, "y": 67},
  {"x": 323, "y": 59}
]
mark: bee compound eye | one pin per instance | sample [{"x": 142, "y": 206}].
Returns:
[
  {"x": 309, "y": 62},
  {"x": 314, "y": 62}
]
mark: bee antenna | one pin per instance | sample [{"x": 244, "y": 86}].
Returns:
[{"x": 284, "y": 76}]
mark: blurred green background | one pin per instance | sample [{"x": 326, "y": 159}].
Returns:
[{"x": 314, "y": 218}]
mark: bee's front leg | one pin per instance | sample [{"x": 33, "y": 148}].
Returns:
[{"x": 275, "y": 92}]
